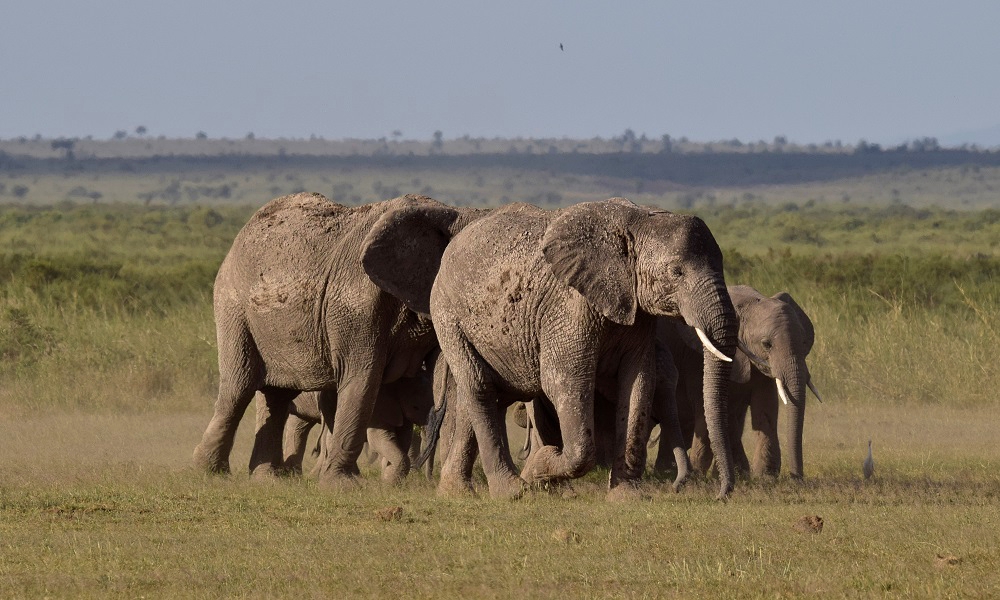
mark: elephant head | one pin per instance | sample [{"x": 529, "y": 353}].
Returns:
[
  {"x": 775, "y": 335},
  {"x": 624, "y": 258}
]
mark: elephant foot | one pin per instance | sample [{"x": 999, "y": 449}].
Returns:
[
  {"x": 292, "y": 468},
  {"x": 626, "y": 491},
  {"x": 338, "y": 480},
  {"x": 394, "y": 474},
  {"x": 455, "y": 487},
  {"x": 210, "y": 462},
  {"x": 507, "y": 486},
  {"x": 266, "y": 473},
  {"x": 538, "y": 468}
]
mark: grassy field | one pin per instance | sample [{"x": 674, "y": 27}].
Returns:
[{"x": 107, "y": 376}]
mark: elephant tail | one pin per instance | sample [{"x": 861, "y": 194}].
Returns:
[{"x": 434, "y": 421}]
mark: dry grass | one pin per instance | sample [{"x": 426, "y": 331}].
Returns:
[{"x": 106, "y": 506}]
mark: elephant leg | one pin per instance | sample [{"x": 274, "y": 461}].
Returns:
[
  {"x": 346, "y": 425},
  {"x": 574, "y": 407},
  {"x": 416, "y": 442},
  {"x": 241, "y": 374},
  {"x": 701, "y": 449},
  {"x": 458, "y": 448},
  {"x": 476, "y": 400},
  {"x": 294, "y": 442},
  {"x": 739, "y": 402},
  {"x": 764, "y": 423},
  {"x": 671, "y": 448},
  {"x": 636, "y": 388},
  {"x": 393, "y": 450},
  {"x": 272, "y": 414}
]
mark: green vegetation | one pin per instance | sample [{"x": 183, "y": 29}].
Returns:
[{"x": 108, "y": 374}]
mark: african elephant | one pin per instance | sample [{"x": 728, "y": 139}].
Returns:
[
  {"x": 400, "y": 405},
  {"x": 530, "y": 303},
  {"x": 298, "y": 306},
  {"x": 775, "y": 336}
]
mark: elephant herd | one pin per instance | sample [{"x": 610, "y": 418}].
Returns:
[{"x": 605, "y": 317}]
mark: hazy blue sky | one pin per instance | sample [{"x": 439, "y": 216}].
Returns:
[{"x": 813, "y": 71}]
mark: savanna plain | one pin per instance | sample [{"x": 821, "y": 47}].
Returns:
[{"x": 108, "y": 375}]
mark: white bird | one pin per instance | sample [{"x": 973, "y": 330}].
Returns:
[{"x": 869, "y": 465}]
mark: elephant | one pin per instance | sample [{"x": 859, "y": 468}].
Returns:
[
  {"x": 769, "y": 368},
  {"x": 400, "y": 405},
  {"x": 299, "y": 306},
  {"x": 560, "y": 304}
]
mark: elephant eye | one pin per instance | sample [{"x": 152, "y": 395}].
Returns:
[
  {"x": 766, "y": 344},
  {"x": 676, "y": 272}
]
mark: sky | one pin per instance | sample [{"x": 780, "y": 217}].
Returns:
[{"x": 880, "y": 70}]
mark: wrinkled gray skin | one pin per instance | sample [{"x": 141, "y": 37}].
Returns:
[
  {"x": 297, "y": 307},
  {"x": 542, "y": 422},
  {"x": 777, "y": 331},
  {"x": 400, "y": 405},
  {"x": 531, "y": 303}
]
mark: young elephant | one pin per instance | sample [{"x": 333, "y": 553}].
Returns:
[
  {"x": 298, "y": 306},
  {"x": 530, "y": 303},
  {"x": 775, "y": 336},
  {"x": 400, "y": 405}
]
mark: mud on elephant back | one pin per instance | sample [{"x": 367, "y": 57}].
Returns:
[
  {"x": 302, "y": 302},
  {"x": 531, "y": 303}
]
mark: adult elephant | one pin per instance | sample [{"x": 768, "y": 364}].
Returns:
[
  {"x": 399, "y": 407},
  {"x": 775, "y": 336},
  {"x": 297, "y": 307},
  {"x": 531, "y": 303}
]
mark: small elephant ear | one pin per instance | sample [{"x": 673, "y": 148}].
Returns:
[
  {"x": 589, "y": 247},
  {"x": 807, "y": 324},
  {"x": 402, "y": 252}
]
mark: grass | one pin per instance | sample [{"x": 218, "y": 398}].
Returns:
[
  {"x": 116, "y": 512},
  {"x": 108, "y": 374}
]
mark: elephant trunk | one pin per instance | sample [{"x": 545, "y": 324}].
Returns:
[
  {"x": 714, "y": 314},
  {"x": 791, "y": 384}
]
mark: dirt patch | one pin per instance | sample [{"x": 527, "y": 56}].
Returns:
[{"x": 391, "y": 513}]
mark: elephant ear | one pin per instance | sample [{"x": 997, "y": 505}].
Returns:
[
  {"x": 590, "y": 248},
  {"x": 402, "y": 252},
  {"x": 807, "y": 326}
]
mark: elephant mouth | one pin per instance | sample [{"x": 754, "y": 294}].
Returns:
[{"x": 764, "y": 367}]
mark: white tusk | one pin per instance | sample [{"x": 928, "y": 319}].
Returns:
[
  {"x": 781, "y": 391},
  {"x": 711, "y": 347},
  {"x": 760, "y": 362},
  {"x": 812, "y": 388}
]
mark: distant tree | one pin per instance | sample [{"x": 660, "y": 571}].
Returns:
[
  {"x": 438, "y": 143},
  {"x": 250, "y": 136},
  {"x": 19, "y": 191},
  {"x": 140, "y": 130},
  {"x": 396, "y": 134},
  {"x": 201, "y": 135},
  {"x": 780, "y": 140},
  {"x": 666, "y": 144},
  {"x": 65, "y": 144},
  {"x": 121, "y": 134}
]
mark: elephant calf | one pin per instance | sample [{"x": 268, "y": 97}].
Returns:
[
  {"x": 775, "y": 336},
  {"x": 399, "y": 406}
]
